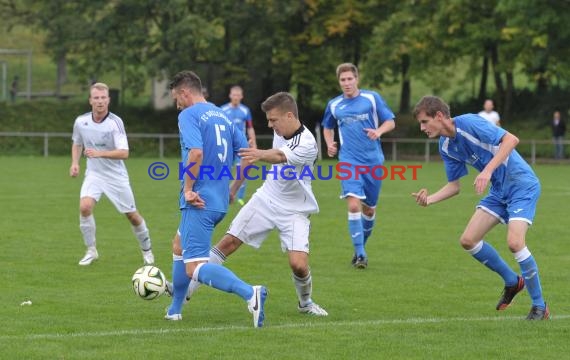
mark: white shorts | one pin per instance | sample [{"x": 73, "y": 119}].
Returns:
[
  {"x": 258, "y": 217},
  {"x": 120, "y": 194}
]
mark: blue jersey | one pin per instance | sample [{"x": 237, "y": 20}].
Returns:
[
  {"x": 475, "y": 143},
  {"x": 204, "y": 126},
  {"x": 352, "y": 116},
  {"x": 239, "y": 115}
]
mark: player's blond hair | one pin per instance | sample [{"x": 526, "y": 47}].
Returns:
[{"x": 99, "y": 86}]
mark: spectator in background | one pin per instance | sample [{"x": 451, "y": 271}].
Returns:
[
  {"x": 489, "y": 114},
  {"x": 558, "y": 131},
  {"x": 14, "y": 88}
]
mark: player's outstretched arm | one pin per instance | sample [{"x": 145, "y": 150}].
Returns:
[
  {"x": 272, "y": 156},
  {"x": 448, "y": 190}
]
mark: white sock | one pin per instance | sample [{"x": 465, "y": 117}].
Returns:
[
  {"x": 216, "y": 257},
  {"x": 87, "y": 227},
  {"x": 304, "y": 288},
  {"x": 141, "y": 232}
]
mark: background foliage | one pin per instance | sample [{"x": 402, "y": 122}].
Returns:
[{"x": 510, "y": 50}]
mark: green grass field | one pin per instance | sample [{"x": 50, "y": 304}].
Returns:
[{"x": 422, "y": 296}]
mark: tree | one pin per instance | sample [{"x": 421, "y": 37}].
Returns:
[{"x": 62, "y": 22}]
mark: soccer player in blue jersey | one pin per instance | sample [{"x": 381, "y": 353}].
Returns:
[
  {"x": 362, "y": 117},
  {"x": 240, "y": 115},
  {"x": 208, "y": 139},
  {"x": 470, "y": 139}
]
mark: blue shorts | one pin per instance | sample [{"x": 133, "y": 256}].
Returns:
[
  {"x": 366, "y": 187},
  {"x": 196, "y": 228},
  {"x": 516, "y": 201}
]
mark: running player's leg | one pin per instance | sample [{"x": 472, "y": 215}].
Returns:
[
  {"x": 90, "y": 193},
  {"x": 353, "y": 193},
  {"x": 521, "y": 209},
  {"x": 218, "y": 255},
  {"x": 196, "y": 242},
  {"x": 372, "y": 188},
  {"x": 122, "y": 197},
  {"x": 294, "y": 230},
  {"x": 472, "y": 240},
  {"x": 180, "y": 281},
  {"x": 142, "y": 234}
]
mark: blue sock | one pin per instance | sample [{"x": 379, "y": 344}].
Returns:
[
  {"x": 529, "y": 271},
  {"x": 222, "y": 278},
  {"x": 367, "y": 226},
  {"x": 241, "y": 191},
  {"x": 488, "y": 256},
  {"x": 180, "y": 282},
  {"x": 356, "y": 233}
]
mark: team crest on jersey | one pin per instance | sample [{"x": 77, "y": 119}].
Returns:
[{"x": 473, "y": 159}]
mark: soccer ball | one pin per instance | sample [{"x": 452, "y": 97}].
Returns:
[{"x": 149, "y": 282}]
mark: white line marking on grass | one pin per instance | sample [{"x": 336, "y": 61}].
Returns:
[{"x": 323, "y": 324}]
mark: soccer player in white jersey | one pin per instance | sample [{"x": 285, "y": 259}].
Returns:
[
  {"x": 100, "y": 136},
  {"x": 362, "y": 118},
  {"x": 468, "y": 139},
  {"x": 284, "y": 202}
]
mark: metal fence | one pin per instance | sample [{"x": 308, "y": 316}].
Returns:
[{"x": 395, "y": 149}]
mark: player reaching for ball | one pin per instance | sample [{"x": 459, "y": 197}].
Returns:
[
  {"x": 470, "y": 139},
  {"x": 207, "y": 138},
  {"x": 283, "y": 203}
]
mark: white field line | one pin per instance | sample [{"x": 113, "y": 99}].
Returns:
[{"x": 323, "y": 324}]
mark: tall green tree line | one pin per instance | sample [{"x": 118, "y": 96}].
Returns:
[{"x": 271, "y": 45}]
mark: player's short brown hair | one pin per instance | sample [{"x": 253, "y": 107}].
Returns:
[
  {"x": 284, "y": 101},
  {"x": 431, "y": 105},
  {"x": 344, "y": 67}
]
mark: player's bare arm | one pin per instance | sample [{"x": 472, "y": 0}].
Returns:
[
  {"x": 251, "y": 137},
  {"x": 272, "y": 156},
  {"x": 508, "y": 143},
  {"x": 76, "y": 151},
  {"x": 332, "y": 146},
  {"x": 117, "y": 154},
  {"x": 386, "y": 127},
  {"x": 448, "y": 190},
  {"x": 195, "y": 156},
  {"x": 240, "y": 178}
]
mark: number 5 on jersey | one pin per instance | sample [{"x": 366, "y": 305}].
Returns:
[{"x": 220, "y": 141}]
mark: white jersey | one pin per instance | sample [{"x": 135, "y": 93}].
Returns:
[
  {"x": 492, "y": 116},
  {"x": 109, "y": 134},
  {"x": 291, "y": 188}
]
